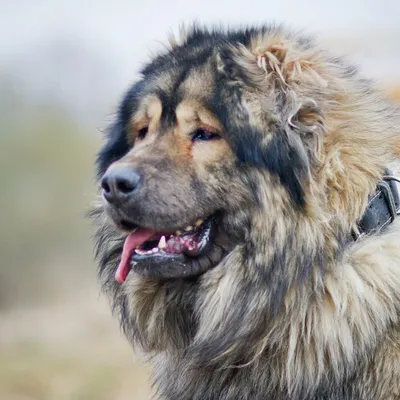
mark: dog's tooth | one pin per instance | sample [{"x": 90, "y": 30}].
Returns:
[
  {"x": 155, "y": 250},
  {"x": 162, "y": 243},
  {"x": 198, "y": 222},
  {"x": 189, "y": 228},
  {"x": 143, "y": 252}
]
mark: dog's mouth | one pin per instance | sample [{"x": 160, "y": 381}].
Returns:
[{"x": 184, "y": 253}]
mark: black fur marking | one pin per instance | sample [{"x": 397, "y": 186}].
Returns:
[
  {"x": 182, "y": 58},
  {"x": 115, "y": 148},
  {"x": 117, "y": 141},
  {"x": 282, "y": 156},
  {"x": 285, "y": 160},
  {"x": 171, "y": 101},
  {"x": 168, "y": 116}
]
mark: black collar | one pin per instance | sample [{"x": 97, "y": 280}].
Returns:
[{"x": 382, "y": 208}]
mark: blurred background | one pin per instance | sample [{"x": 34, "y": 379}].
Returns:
[{"x": 63, "y": 68}]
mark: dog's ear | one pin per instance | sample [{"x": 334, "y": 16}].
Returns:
[
  {"x": 292, "y": 73},
  {"x": 282, "y": 129}
]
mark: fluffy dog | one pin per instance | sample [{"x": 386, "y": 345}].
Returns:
[{"x": 229, "y": 236}]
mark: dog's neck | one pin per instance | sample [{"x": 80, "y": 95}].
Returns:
[{"x": 338, "y": 314}]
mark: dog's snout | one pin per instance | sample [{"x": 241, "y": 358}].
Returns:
[{"x": 119, "y": 183}]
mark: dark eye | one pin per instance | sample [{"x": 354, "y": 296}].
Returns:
[
  {"x": 204, "y": 134},
  {"x": 143, "y": 132}
]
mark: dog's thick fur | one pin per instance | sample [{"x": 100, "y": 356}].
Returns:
[{"x": 295, "y": 309}]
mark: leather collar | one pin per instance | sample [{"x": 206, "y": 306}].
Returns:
[{"x": 382, "y": 209}]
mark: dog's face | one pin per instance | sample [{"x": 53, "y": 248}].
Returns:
[
  {"x": 179, "y": 172},
  {"x": 171, "y": 187}
]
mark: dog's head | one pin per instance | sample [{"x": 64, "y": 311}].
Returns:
[
  {"x": 168, "y": 172},
  {"x": 210, "y": 131},
  {"x": 242, "y": 157}
]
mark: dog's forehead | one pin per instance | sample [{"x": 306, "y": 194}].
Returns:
[
  {"x": 190, "y": 83},
  {"x": 191, "y": 80}
]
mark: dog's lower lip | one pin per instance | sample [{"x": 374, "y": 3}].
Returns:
[{"x": 137, "y": 257}]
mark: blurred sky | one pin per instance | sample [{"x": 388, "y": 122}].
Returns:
[{"x": 83, "y": 54}]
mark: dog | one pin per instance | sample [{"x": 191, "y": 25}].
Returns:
[{"x": 246, "y": 232}]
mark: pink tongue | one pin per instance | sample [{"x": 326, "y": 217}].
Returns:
[{"x": 134, "y": 240}]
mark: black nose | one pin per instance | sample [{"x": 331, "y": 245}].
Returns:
[{"x": 120, "y": 182}]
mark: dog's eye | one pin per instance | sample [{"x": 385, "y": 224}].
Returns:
[
  {"x": 143, "y": 132},
  {"x": 203, "y": 134}
]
